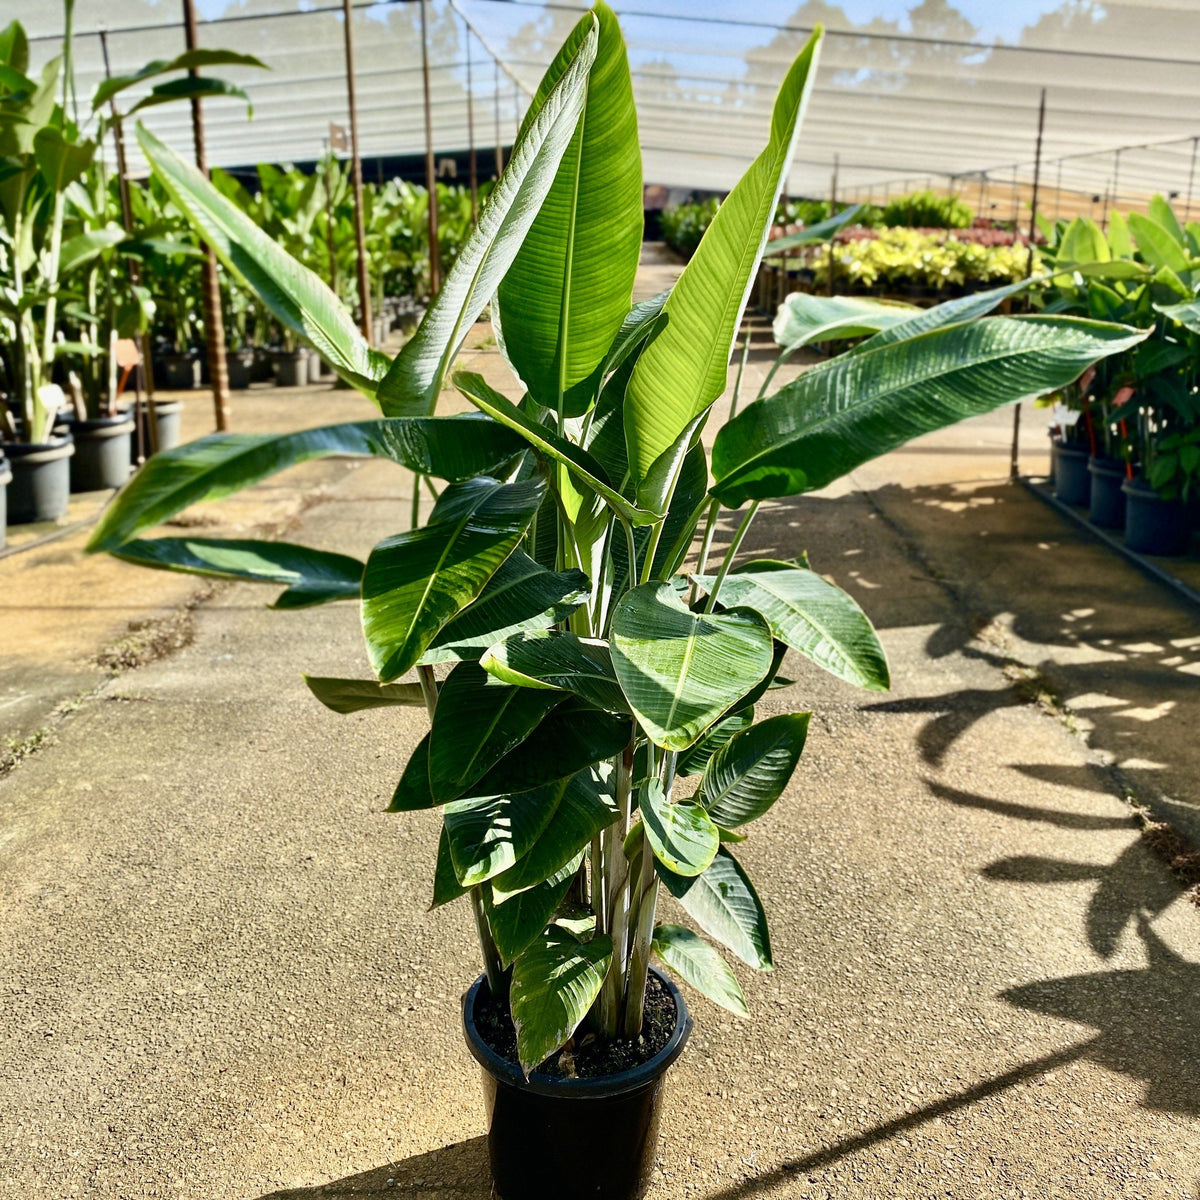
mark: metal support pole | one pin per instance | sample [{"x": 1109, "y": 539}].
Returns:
[
  {"x": 360, "y": 237},
  {"x": 473, "y": 168},
  {"x": 214, "y": 325},
  {"x": 496, "y": 100},
  {"x": 435, "y": 250},
  {"x": 150, "y": 425},
  {"x": 1014, "y": 469},
  {"x": 1187, "y": 208},
  {"x": 333, "y": 274}
]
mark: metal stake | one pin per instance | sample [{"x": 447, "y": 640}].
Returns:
[
  {"x": 435, "y": 250},
  {"x": 360, "y": 237},
  {"x": 214, "y": 324}
]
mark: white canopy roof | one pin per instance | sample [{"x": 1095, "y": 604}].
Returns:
[{"x": 909, "y": 92}]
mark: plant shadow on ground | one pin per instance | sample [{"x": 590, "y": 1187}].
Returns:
[{"x": 457, "y": 1172}]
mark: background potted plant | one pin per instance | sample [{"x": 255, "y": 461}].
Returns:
[{"x": 592, "y": 748}]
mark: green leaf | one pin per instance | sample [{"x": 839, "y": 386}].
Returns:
[
  {"x": 822, "y": 231},
  {"x": 697, "y": 963},
  {"x": 1156, "y": 245},
  {"x": 518, "y": 920},
  {"x": 695, "y": 760},
  {"x": 681, "y": 670},
  {"x": 59, "y": 160},
  {"x": 836, "y": 416},
  {"x": 414, "y": 380},
  {"x": 190, "y": 87},
  {"x": 84, "y": 247},
  {"x": 489, "y": 833},
  {"x": 520, "y": 596},
  {"x": 725, "y": 905},
  {"x": 554, "y": 984},
  {"x": 1082, "y": 242},
  {"x": 549, "y": 444},
  {"x": 1119, "y": 240},
  {"x": 476, "y": 723},
  {"x": 453, "y": 448},
  {"x": 1187, "y": 314},
  {"x": 192, "y": 59},
  {"x": 295, "y": 296},
  {"x": 445, "y": 883},
  {"x": 412, "y": 793},
  {"x": 556, "y": 659},
  {"x": 415, "y": 582},
  {"x": 748, "y": 774},
  {"x": 585, "y": 808},
  {"x": 681, "y": 835},
  {"x": 685, "y": 368},
  {"x": 803, "y": 318},
  {"x": 571, "y": 736},
  {"x": 810, "y": 615},
  {"x": 1161, "y": 211},
  {"x": 353, "y": 695},
  {"x": 569, "y": 288},
  {"x": 311, "y": 576}
]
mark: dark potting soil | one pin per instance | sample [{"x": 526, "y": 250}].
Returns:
[{"x": 585, "y": 1056}]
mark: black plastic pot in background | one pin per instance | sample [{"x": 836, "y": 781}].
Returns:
[
  {"x": 177, "y": 372},
  {"x": 1154, "y": 525},
  {"x": 1106, "y": 505},
  {"x": 291, "y": 368},
  {"x": 103, "y": 451},
  {"x": 170, "y": 427},
  {"x": 41, "y": 478},
  {"x": 318, "y": 370},
  {"x": 5, "y": 480},
  {"x": 260, "y": 370},
  {"x": 1072, "y": 485},
  {"x": 588, "y": 1139},
  {"x": 239, "y": 365}
]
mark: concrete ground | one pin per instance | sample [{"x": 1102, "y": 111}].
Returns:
[{"x": 218, "y": 977}]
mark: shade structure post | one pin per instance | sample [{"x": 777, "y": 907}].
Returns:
[
  {"x": 360, "y": 237},
  {"x": 1014, "y": 469},
  {"x": 1187, "y": 208},
  {"x": 328, "y": 173},
  {"x": 214, "y": 324},
  {"x": 472, "y": 160},
  {"x": 435, "y": 250}
]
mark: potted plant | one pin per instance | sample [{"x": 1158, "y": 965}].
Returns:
[{"x": 592, "y": 748}]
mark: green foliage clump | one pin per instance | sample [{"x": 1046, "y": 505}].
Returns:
[
  {"x": 683, "y": 225},
  {"x": 927, "y": 210}
]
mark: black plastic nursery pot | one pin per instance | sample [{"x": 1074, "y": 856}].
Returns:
[
  {"x": 41, "y": 478},
  {"x": 169, "y": 414},
  {"x": 238, "y": 366},
  {"x": 177, "y": 372},
  {"x": 1072, "y": 484},
  {"x": 102, "y": 452},
  {"x": 291, "y": 368},
  {"x": 5, "y": 480},
  {"x": 1106, "y": 503},
  {"x": 587, "y": 1139},
  {"x": 1154, "y": 525}
]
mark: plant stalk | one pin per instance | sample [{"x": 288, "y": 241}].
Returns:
[
  {"x": 639, "y": 964},
  {"x": 731, "y": 553},
  {"x": 617, "y": 891}
]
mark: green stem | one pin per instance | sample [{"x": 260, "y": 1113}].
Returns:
[
  {"x": 766, "y": 383},
  {"x": 737, "y": 383},
  {"x": 710, "y": 527},
  {"x": 731, "y": 553},
  {"x": 617, "y": 896},
  {"x": 639, "y": 959},
  {"x": 414, "y": 516},
  {"x": 492, "y": 966}
]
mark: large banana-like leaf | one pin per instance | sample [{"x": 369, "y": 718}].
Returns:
[
  {"x": 554, "y": 984},
  {"x": 353, "y": 695},
  {"x": 452, "y": 448},
  {"x": 839, "y": 415},
  {"x": 1156, "y": 244},
  {"x": 697, "y": 963},
  {"x": 414, "y": 380},
  {"x": 548, "y": 443},
  {"x": 681, "y": 670},
  {"x": 693, "y": 761},
  {"x": 296, "y": 297},
  {"x": 684, "y": 369},
  {"x": 476, "y": 723},
  {"x": 489, "y": 833},
  {"x": 723, "y": 902},
  {"x": 810, "y": 615},
  {"x": 748, "y": 774},
  {"x": 585, "y": 808},
  {"x": 569, "y": 287},
  {"x": 517, "y": 920},
  {"x": 681, "y": 834},
  {"x": 556, "y": 659},
  {"x": 445, "y": 882},
  {"x": 803, "y": 318},
  {"x": 415, "y": 582},
  {"x": 520, "y": 596},
  {"x": 311, "y": 576}
]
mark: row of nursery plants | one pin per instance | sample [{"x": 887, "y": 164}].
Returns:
[
  {"x": 1126, "y": 439},
  {"x": 87, "y": 260},
  {"x": 596, "y": 761}
]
